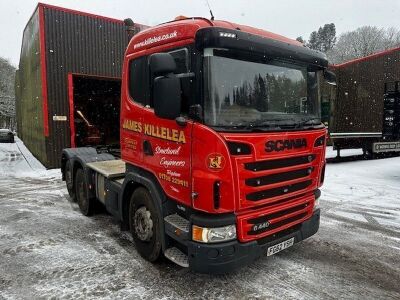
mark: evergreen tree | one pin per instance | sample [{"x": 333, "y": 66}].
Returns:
[
  {"x": 300, "y": 39},
  {"x": 324, "y": 39}
]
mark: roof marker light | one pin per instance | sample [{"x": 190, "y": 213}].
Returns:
[{"x": 227, "y": 34}]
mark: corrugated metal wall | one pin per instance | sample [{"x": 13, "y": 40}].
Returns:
[
  {"x": 77, "y": 44},
  {"x": 358, "y": 106},
  {"x": 29, "y": 96},
  {"x": 17, "y": 90}
]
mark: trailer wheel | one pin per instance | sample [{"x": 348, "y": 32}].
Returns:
[
  {"x": 69, "y": 180},
  {"x": 144, "y": 222},
  {"x": 85, "y": 203}
]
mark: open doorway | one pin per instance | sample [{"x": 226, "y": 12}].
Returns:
[{"x": 94, "y": 111}]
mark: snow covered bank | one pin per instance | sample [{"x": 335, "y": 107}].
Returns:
[{"x": 17, "y": 161}]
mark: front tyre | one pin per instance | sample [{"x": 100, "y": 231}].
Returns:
[
  {"x": 144, "y": 221},
  {"x": 86, "y": 204}
]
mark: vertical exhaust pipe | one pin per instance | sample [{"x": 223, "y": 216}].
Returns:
[{"x": 130, "y": 27}]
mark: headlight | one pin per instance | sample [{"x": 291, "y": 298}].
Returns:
[{"x": 213, "y": 235}]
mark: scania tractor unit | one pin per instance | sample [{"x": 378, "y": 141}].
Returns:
[{"x": 222, "y": 146}]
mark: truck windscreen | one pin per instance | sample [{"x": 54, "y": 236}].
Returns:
[{"x": 246, "y": 94}]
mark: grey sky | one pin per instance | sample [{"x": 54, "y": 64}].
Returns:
[{"x": 291, "y": 18}]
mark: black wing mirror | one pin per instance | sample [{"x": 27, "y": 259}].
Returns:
[
  {"x": 166, "y": 87},
  {"x": 162, "y": 64}
]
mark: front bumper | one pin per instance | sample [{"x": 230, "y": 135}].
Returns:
[{"x": 226, "y": 257}]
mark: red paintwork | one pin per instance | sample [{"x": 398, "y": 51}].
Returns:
[
  {"x": 242, "y": 220},
  {"x": 244, "y": 208},
  {"x": 187, "y": 28},
  {"x": 202, "y": 143},
  {"x": 41, "y": 7},
  {"x": 361, "y": 59},
  {"x": 77, "y": 12},
  {"x": 257, "y": 142},
  {"x": 71, "y": 109},
  {"x": 42, "y": 44}
]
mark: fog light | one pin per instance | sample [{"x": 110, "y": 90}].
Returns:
[{"x": 213, "y": 235}]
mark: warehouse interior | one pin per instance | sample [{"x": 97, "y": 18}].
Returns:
[{"x": 96, "y": 106}]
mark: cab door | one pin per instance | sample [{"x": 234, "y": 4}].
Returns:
[
  {"x": 135, "y": 92},
  {"x": 167, "y": 145}
]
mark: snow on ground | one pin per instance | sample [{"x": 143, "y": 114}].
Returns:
[
  {"x": 371, "y": 193},
  {"x": 48, "y": 249},
  {"x": 330, "y": 153}
]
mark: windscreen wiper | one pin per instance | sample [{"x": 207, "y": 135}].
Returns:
[
  {"x": 251, "y": 127},
  {"x": 310, "y": 122},
  {"x": 277, "y": 123}
]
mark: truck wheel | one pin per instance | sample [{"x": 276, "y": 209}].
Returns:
[
  {"x": 69, "y": 180},
  {"x": 144, "y": 222},
  {"x": 85, "y": 204}
]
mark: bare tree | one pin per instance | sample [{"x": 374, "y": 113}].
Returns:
[
  {"x": 7, "y": 98},
  {"x": 392, "y": 37},
  {"x": 363, "y": 41}
]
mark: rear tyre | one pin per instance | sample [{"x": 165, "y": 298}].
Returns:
[
  {"x": 86, "y": 204},
  {"x": 69, "y": 180},
  {"x": 144, "y": 221}
]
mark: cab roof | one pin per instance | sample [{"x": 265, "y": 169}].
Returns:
[{"x": 186, "y": 29}]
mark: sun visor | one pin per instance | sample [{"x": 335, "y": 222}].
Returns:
[{"x": 217, "y": 37}]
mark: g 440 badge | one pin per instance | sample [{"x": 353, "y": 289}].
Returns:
[
  {"x": 215, "y": 161},
  {"x": 261, "y": 226}
]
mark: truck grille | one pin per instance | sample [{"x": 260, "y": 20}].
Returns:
[
  {"x": 279, "y": 163},
  {"x": 275, "y": 178},
  {"x": 276, "y": 218},
  {"x": 280, "y": 190},
  {"x": 299, "y": 211},
  {"x": 267, "y": 181}
]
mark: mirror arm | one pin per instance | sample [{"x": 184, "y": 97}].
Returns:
[
  {"x": 186, "y": 75},
  {"x": 181, "y": 121},
  {"x": 196, "y": 112}
]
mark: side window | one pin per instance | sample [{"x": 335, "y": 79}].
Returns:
[
  {"x": 182, "y": 60},
  {"x": 181, "y": 57},
  {"x": 139, "y": 89}
]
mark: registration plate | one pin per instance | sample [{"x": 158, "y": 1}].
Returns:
[{"x": 279, "y": 247}]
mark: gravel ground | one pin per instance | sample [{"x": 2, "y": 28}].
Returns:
[{"x": 49, "y": 250}]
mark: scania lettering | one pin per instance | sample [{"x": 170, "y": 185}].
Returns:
[
  {"x": 280, "y": 145},
  {"x": 222, "y": 146}
]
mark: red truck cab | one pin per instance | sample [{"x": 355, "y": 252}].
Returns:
[{"x": 222, "y": 146}]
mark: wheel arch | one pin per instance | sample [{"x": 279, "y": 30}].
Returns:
[{"x": 132, "y": 181}]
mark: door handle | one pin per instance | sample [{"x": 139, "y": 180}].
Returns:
[{"x": 147, "y": 149}]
